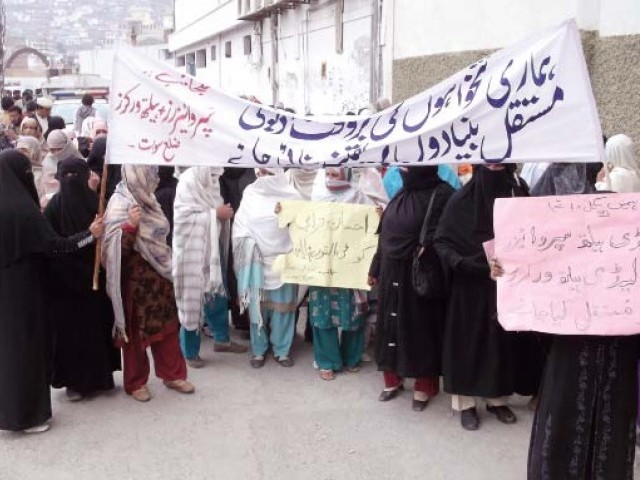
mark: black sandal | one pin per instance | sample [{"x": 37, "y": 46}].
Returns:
[{"x": 503, "y": 414}]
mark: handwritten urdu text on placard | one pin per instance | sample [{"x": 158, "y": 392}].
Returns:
[
  {"x": 571, "y": 264},
  {"x": 333, "y": 243}
]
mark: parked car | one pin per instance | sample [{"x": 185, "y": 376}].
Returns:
[{"x": 67, "y": 108}]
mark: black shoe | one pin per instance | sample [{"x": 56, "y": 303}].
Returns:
[
  {"x": 387, "y": 395},
  {"x": 285, "y": 361},
  {"x": 258, "y": 362},
  {"x": 469, "y": 419},
  {"x": 419, "y": 405},
  {"x": 503, "y": 413}
]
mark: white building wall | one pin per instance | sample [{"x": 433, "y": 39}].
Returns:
[
  {"x": 441, "y": 26},
  {"x": 310, "y": 74},
  {"x": 620, "y": 17}
]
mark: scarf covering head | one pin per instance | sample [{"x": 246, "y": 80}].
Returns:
[
  {"x": 302, "y": 180},
  {"x": 467, "y": 221},
  {"x": 97, "y": 126},
  {"x": 623, "y": 169},
  {"x": 95, "y": 160},
  {"x": 23, "y": 229},
  {"x": 403, "y": 218},
  {"x": 32, "y": 121},
  {"x": 136, "y": 188},
  {"x": 197, "y": 239},
  {"x": 57, "y": 139},
  {"x": 87, "y": 126},
  {"x": 55, "y": 123},
  {"x": 76, "y": 204},
  {"x": 31, "y": 144},
  {"x": 362, "y": 186},
  {"x": 563, "y": 179},
  {"x": 335, "y": 185},
  {"x": 258, "y": 240}
]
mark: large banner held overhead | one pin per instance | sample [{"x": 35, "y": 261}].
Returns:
[
  {"x": 531, "y": 102},
  {"x": 571, "y": 264},
  {"x": 333, "y": 243}
]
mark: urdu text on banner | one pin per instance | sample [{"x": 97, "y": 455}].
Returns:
[
  {"x": 570, "y": 264},
  {"x": 531, "y": 102}
]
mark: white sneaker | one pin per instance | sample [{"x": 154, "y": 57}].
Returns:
[{"x": 39, "y": 428}]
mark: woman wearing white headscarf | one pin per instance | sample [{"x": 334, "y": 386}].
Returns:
[
  {"x": 139, "y": 282},
  {"x": 60, "y": 148},
  {"x": 334, "y": 308},
  {"x": 302, "y": 180},
  {"x": 30, "y": 147},
  {"x": 201, "y": 233},
  {"x": 622, "y": 171},
  {"x": 257, "y": 241}
]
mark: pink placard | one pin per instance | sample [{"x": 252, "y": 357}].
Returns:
[{"x": 571, "y": 264}]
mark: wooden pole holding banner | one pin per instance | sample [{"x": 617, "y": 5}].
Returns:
[{"x": 101, "y": 208}]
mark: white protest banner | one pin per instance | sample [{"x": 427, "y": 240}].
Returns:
[
  {"x": 571, "y": 264},
  {"x": 531, "y": 102}
]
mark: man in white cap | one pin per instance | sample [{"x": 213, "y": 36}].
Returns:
[{"x": 43, "y": 112}]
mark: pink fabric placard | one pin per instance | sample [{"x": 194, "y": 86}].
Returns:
[{"x": 571, "y": 264}]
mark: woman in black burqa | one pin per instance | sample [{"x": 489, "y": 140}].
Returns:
[
  {"x": 96, "y": 160},
  {"x": 409, "y": 338},
  {"x": 84, "y": 357},
  {"x": 26, "y": 240},
  {"x": 585, "y": 425},
  {"x": 481, "y": 359}
]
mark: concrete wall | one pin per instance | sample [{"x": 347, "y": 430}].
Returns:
[
  {"x": 466, "y": 31},
  {"x": 311, "y": 74}
]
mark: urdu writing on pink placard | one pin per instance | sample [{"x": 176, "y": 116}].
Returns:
[{"x": 570, "y": 264}]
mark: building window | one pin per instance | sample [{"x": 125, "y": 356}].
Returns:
[
  {"x": 165, "y": 54},
  {"x": 227, "y": 49},
  {"x": 201, "y": 58},
  {"x": 247, "y": 44},
  {"x": 214, "y": 53},
  {"x": 180, "y": 61},
  {"x": 191, "y": 63}
]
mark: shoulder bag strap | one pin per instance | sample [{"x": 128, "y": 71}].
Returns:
[{"x": 425, "y": 224}]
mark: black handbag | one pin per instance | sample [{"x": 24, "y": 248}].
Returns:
[{"x": 427, "y": 275}]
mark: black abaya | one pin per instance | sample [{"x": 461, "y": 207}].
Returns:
[
  {"x": 83, "y": 355},
  {"x": 409, "y": 331},
  {"x": 585, "y": 426},
  {"x": 24, "y": 345},
  {"x": 479, "y": 357},
  {"x": 25, "y": 240}
]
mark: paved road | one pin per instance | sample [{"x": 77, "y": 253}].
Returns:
[{"x": 273, "y": 423}]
